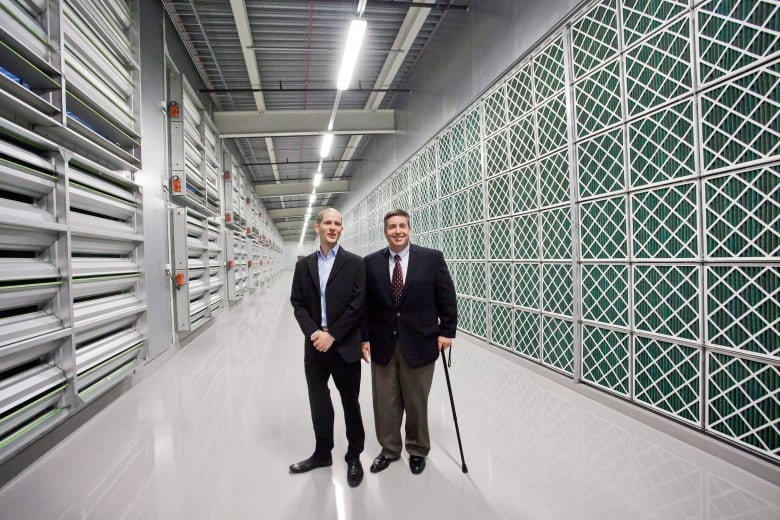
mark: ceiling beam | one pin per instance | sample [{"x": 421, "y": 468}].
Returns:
[
  {"x": 293, "y": 212},
  {"x": 300, "y": 188},
  {"x": 302, "y": 122},
  {"x": 407, "y": 34}
]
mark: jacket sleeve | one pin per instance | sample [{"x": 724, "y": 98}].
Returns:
[
  {"x": 305, "y": 321},
  {"x": 352, "y": 317},
  {"x": 446, "y": 299}
]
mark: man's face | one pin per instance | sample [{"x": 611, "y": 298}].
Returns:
[
  {"x": 397, "y": 232},
  {"x": 329, "y": 229}
]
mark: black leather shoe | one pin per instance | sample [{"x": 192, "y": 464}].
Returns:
[
  {"x": 380, "y": 463},
  {"x": 310, "y": 464},
  {"x": 354, "y": 473},
  {"x": 416, "y": 464}
]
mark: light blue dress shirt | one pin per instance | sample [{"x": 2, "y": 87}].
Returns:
[{"x": 324, "y": 266}]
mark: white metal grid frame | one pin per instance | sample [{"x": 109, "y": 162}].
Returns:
[{"x": 674, "y": 210}]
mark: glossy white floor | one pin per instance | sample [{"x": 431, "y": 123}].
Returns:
[{"x": 209, "y": 435}]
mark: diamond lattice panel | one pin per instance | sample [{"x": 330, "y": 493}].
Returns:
[
  {"x": 557, "y": 341},
  {"x": 555, "y": 180},
  {"x": 603, "y": 229},
  {"x": 668, "y": 377},
  {"x": 461, "y": 207},
  {"x": 464, "y": 314},
  {"x": 476, "y": 206},
  {"x": 501, "y": 326},
  {"x": 557, "y": 288},
  {"x": 659, "y": 69},
  {"x": 477, "y": 245},
  {"x": 527, "y": 334},
  {"x": 605, "y": 359},
  {"x": 495, "y": 110},
  {"x": 471, "y": 129},
  {"x": 445, "y": 146},
  {"x": 548, "y": 70},
  {"x": 744, "y": 308},
  {"x": 526, "y": 237},
  {"x": 601, "y": 164},
  {"x": 641, "y": 17},
  {"x": 666, "y": 300},
  {"x": 446, "y": 179},
  {"x": 479, "y": 318},
  {"x": 553, "y": 124},
  {"x": 500, "y": 235},
  {"x": 556, "y": 239},
  {"x": 522, "y": 141},
  {"x": 661, "y": 145},
  {"x": 461, "y": 245},
  {"x": 744, "y": 402},
  {"x": 527, "y": 285},
  {"x": 664, "y": 222},
  {"x": 499, "y": 195},
  {"x": 594, "y": 38},
  {"x": 460, "y": 174},
  {"x": 448, "y": 212},
  {"x": 741, "y": 120},
  {"x": 524, "y": 186},
  {"x": 743, "y": 214},
  {"x": 598, "y": 100},
  {"x": 519, "y": 92},
  {"x": 479, "y": 279},
  {"x": 474, "y": 166},
  {"x": 733, "y": 34},
  {"x": 605, "y": 294},
  {"x": 496, "y": 157},
  {"x": 460, "y": 276},
  {"x": 501, "y": 282}
]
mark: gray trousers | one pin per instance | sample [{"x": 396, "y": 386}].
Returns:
[{"x": 399, "y": 388}]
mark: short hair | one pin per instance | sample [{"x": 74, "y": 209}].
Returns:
[
  {"x": 398, "y": 213},
  {"x": 322, "y": 212}
]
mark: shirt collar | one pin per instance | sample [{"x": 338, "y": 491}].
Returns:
[
  {"x": 403, "y": 254},
  {"x": 332, "y": 253}
]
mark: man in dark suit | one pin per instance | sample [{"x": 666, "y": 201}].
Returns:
[
  {"x": 328, "y": 294},
  {"x": 411, "y": 316}
]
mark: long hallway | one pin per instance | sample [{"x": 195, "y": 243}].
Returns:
[{"x": 210, "y": 433}]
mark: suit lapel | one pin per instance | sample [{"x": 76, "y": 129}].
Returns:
[
  {"x": 338, "y": 264},
  {"x": 411, "y": 270},
  {"x": 314, "y": 271},
  {"x": 387, "y": 287}
]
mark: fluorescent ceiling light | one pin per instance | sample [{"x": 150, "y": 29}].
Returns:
[
  {"x": 327, "y": 141},
  {"x": 317, "y": 179},
  {"x": 361, "y": 7},
  {"x": 312, "y": 197},
  {"x": 354, "y": 39}
]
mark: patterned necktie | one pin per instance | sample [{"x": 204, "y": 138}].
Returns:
[{"x": 398, "y": 281}]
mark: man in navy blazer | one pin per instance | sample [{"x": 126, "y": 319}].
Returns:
[
  {"x": 328, "y": 294},
  {"x": 411, "y": 312}
]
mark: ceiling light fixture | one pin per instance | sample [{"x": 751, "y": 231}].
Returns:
[
  {"x": 357, "y": 29},
  {"x": 327, "y": 141},
  {"x": 317, "y": 179},
  {"x": 312, "y": 197},
  {"x": 361, "y": 7}
]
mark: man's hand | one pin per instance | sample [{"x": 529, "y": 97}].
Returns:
[
  {"x": 366, "y": 348},
  {"x": 444, "y": 343},
  {"x": 322, "y": 340}
]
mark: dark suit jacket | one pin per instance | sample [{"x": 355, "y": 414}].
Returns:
[
  {"x": 344, "y": 300},
  {"x": 428, "y": 307}
]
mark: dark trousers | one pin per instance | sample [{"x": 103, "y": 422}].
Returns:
[{"x": 320, "y": 366}]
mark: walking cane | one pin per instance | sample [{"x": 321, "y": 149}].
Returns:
[{"x": 454, "y": 415}]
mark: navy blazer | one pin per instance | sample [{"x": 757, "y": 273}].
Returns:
[
  {"x": 344, "y": 300},
  {"x": 428, "y": 307}
]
